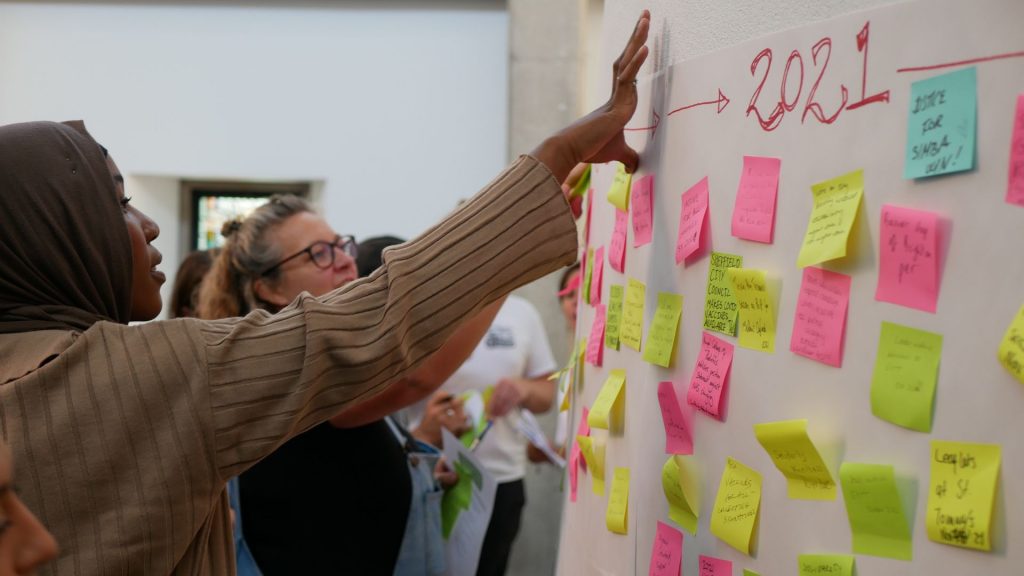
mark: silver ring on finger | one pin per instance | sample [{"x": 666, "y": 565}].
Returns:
[{"x": 449, "y": 412}]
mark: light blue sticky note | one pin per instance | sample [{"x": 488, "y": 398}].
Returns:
[{"x": 941, "y": 124}]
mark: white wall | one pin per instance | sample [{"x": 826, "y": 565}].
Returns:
[{"x": 400, "y": 108}]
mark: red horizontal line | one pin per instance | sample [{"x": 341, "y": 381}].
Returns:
[{"x": 962, "y": 62}]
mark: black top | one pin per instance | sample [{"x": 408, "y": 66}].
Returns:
[{"x": 330, "y": 501}]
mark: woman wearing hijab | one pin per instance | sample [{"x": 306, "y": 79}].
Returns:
[{"x": 125, "y": 435}]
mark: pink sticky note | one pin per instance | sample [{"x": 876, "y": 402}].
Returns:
[
  {"x": 677, "y": 435},
  {"x": 667, "y": 552},
  {"x": 617, "y": 248},
  {"x": 595, "y": 280},
  {"x": 710, "y": 375},
  {"x": 574, "y": 475},
  {"x": 711, "y": 566},
  {"x": 691, "y": 219},
  {"x": 908, "y": 272},
  {"x": 641, "y": 204},
  {"x": 1015, "y": 187},
  {"x": 595, "y": 344},
  {"x": 821, "y": 316},
  {"x": 753, "y": 216}
]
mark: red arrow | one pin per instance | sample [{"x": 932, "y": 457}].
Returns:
[
  {"x": 653, "y": 129},
  {"x": 722, "y": 102}
]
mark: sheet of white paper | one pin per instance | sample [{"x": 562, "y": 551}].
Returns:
[
  {"x": 529, "y": 427},
  {"x": 462, "y": 550}
]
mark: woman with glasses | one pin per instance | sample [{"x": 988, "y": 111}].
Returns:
[
  {"x": 127, "y": 434},
  {"x": 294, "y": 502}
]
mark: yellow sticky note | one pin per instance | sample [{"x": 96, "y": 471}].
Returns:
[
  {"x": 661, "y": 339},
  {"x": 680, "y": 489},
  {"x": 836, "y": 203},
  {"x": 632, "y": 328},
  {"x": 618, "y": 502},
  {"x": 1011, "y": 349},
  {"x": 735, "y": 513},
  {"x": 877, "y": 522},
  {"x": 831, "y": 564},
  {"x": 796, "y": 457},
  {"x": 613, "y": 320},
  {"x": 757, "y": 311},
  {"x": 618, "y": 194},
  {"x": 608, "y": 411},
  {"x": 593, "y": 453},
  {"x": 590, "y": 274},
  {"x": 961, "y": 494}
]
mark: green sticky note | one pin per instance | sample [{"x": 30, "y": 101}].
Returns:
[
  {"x": 756, "y": 307},
  {"x": 680, "y": 487},
  {"x": 734, "y": 515},
  {"x": 582, "y": 184},
  {"x": 661, "y": 339},
  {"x": 941, "y": 124},
  {"x": 831, "y": 564},
  {"x": 613, "y": 320},
  {"x": 589, "y": 275},
  {"x": 720, "y": 308},
  {"x": 618, "y": 194},
  {"x": 796, "y": 457},
  {"x": 836, "y": 202},
  {"x": 961, "y": 493},
  {"x": 749, "y": 572},
  {"x": 877, "y": 521},
  {"x": 906, "y": 369},
  {"x": 632, "y": 327}
]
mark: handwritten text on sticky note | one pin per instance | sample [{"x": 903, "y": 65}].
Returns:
[
  {"x": 720, "y": 309},
  {"x": 735, "y": 512},
  {"x": 710, "y": 374},
  {"x": 617, "y": 246},
  {"x": 618, "y": 502},
  {"x": 757, "y": 309},
  {"x": 753, "y": 216},
  {"x": 796, "y": 457},
  {"x": 680, "y": 487},
  {"x": 692, "y": 216},
  {"x": 961, "y": 493},
  {"x": 618, "y": 194},
  {"x": 820, "y": 321},
  {"x": 873, "y": 506},
  {"x": 614, "y": 317},
  {"x": 661, "y": 338},
  {"x": 633, "y": 314},
  {"x": 941, "y": 124},
  {"x": 908, "y": 272},
  {"x": 1015, "y": 182},
  {"x": 903, "y": 383},
  {"x": 642, "y": 207},
  {"x": 836, "y": 203},
  {"x": 1011, "y": 348},
  {"x": 666, "y": 551},
  {"x": 677, "y": 433}
]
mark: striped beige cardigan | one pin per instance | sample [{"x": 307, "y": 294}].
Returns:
[{"x": 124, "y": 441}]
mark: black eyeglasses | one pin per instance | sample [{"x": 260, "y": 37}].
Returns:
[{"x": 322, "y": 252}]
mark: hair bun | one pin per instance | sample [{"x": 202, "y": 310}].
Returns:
[{"x": 230, "y": 227}]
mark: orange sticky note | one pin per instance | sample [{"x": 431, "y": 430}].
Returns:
[
  {"x": 908, "y": 271},
  {"x": 753, "y": 216},
  {"x": 692, "y": 215},
  {"x": 677, "y": 434},
  {"x": 820, "y": 321},
  {"x": 641, "y": 204},
  {"x": 617, "y": 246},
  {"x": 710, "y": 375}
]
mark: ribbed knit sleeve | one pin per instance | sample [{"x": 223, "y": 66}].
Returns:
[{"x": 274, "y": 376}]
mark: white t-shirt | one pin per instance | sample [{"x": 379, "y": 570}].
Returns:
[{"x": 515, "y": 346}]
